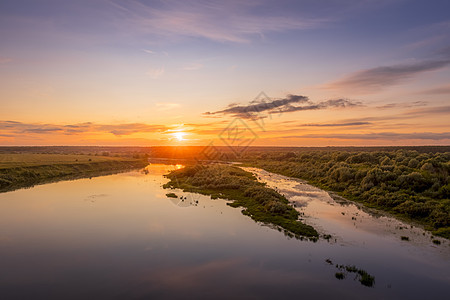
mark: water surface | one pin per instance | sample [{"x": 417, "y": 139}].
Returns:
[{"x": 120, "y": 237}]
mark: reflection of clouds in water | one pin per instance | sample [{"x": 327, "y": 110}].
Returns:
[
  {"x": 184, "y": 201},
  {"x": 94, "y": 197},
  {"x": 300, "y": 201},
  {"x": 350, "y": 223},
  {"x": 200, "y": 280}
]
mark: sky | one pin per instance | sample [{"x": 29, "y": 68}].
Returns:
[{"x": 256, "y": 72}]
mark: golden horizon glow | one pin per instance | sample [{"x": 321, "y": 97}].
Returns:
[
  {"x": 179, "y": 135},
  {"x": 148, "y": 75}
]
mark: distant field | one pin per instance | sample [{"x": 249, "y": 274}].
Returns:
[
  {"x": 18, "y": 170},
  {"x": 30, "y": 159}
]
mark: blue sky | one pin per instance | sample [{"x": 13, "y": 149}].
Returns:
[{"x": 163, "y": 64}]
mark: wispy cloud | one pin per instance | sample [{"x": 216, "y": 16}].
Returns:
[
  {"x": 18, "y": 128},
  {"x": 375, "y": 79},
  {"x": 148, "y": 51},
  {"x": 335, "y": 124},
  {"x": 403, "y": 105},
  {"x": 4, "y": 60},
  {"x": 223, "y": 21},
  {"x": 155, "y": 73},
  {"x": 440, "y": 90},
  {"x": 192, "y": 67},
  {"x": 429, "y": 111},
  {"x": 377, "y": 136},
  {"x": 166, "y": 106},
  {"x": 291, "y": 103}
]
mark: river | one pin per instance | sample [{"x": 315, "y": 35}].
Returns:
[{"x": 120, "y": 237}]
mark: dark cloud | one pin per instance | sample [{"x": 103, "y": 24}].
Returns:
[
  {"x": 291, "y": 103},
  {"x": 42, "y": 130},
  {"x": 127, "y": 129},
  {"x": 16, "y": 128},
  {"x": 403, "y": 105},
  {"x": 256, "y": 108},
  {"x": 371, "y": 80},
  {"x": 378, "y": 136},
  {"x": 335, "y": 124}
]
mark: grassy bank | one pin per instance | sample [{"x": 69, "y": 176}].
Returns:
[
  {"x": 262, "y": 204},
  {"x": 408, "y": 184},
  {"x": 25, "y": 170}
]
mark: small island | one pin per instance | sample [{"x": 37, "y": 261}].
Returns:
[{"x": 260, "y": 203}]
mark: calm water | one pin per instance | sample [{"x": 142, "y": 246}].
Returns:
[{"x": 120, "y": 237}]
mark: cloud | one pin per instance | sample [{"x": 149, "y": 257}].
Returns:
[
  {"x": 291, "y": 103},
  {"x": 42, "y": 130},
  {"x": 377, "y": 136},
  {"x": 335, "y": 124},
  {"x": 440, "y": 90},
  {"x": 155, "y": 73},
  {"x": 372, "y": 80},
  {"x": 4, "y": 60},
  {"x": 222, "y": 21},
  {"x": 193, "y": 67},
  {"x": 17, "y": 128},
  {"x": 166, "y": 106},
  {"x": 403, "y": 105},
  {"x": 437, "y": 110},
  {"x": 148, "y": 51}
]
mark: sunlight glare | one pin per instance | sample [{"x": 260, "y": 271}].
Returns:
[{"x": 179, "y": 136}]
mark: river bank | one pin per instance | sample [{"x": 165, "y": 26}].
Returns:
[{"x": 26, "y": 170}]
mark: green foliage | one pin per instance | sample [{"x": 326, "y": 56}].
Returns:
[
  {"x": 404, "y": 182},
  {"x": 171, "y": 195},
  {"x": 363, "y": 277},
  {"x": 262, "y": 204}
]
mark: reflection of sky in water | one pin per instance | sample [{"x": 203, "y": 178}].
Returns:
[{"x": 120, "y": 237}]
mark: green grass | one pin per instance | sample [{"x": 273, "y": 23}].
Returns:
[
  {"x": 25, "y": 170},
  {"x": 260, "y": 203},
  {"x": 31, "y": 159},
  {"x": 171, "y": 195},
  {"x": 443, "y": 232},
  {"x": 412, "y": 186},
  {"x": 363, "y": 277}
]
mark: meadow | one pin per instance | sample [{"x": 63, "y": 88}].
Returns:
[{"x": 18, "y": 170}]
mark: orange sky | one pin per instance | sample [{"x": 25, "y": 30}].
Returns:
[{"x": 186, "y": 73}]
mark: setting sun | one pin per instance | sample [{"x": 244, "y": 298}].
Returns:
[
  {"x": 179, "y": 135},
  {"x": 224, "y": 149}
]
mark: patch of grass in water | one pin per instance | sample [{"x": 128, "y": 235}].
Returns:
[
  {"x": 366, "y": 279},
  {"x": 363, "y": 277},
  {"x": 171, "y": 195},
  {"x": 261, "y": 203}
]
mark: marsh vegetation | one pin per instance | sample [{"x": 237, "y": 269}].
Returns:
[
  {"x": 406, "y": 183},
  {"x": 260, "y": 203}
]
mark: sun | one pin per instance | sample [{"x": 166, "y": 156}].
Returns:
[{"x": 179, "y": 135}]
